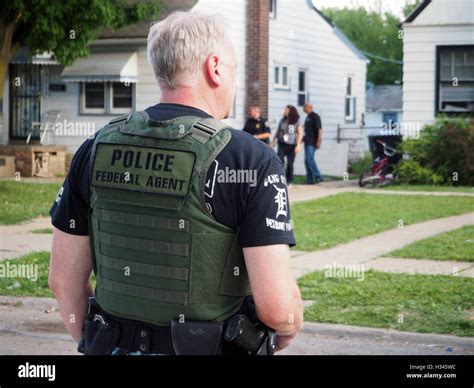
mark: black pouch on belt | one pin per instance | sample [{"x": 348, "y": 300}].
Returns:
[
  {"x": 99, "y": 336},
  {"x": 192, "y": 338}
]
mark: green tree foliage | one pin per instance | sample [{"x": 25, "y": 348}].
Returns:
[
  {"x": 408, "y": 8},
  {"x": 377, "y": 36},
  {"x": 65, "y": 28}
]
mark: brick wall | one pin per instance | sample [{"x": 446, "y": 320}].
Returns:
[{"x": 257, "y": 55}]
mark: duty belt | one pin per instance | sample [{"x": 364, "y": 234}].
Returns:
[{"x": 108, "y": 334}]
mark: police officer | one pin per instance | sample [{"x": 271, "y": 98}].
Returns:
[
  {"x": 188, "y": 258},
  {"x": 257, "y": 126}
]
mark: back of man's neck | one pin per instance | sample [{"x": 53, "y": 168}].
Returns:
[{"x": 184, "y": 98}]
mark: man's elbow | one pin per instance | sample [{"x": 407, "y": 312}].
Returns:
[
  {"x": 285, "y": 316},
  {"x": 56, "y": 283}
]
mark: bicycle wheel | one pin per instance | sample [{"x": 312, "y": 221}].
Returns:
[
  {"x": 363, "y": 181},
  {"x": 368, "y": 178}
]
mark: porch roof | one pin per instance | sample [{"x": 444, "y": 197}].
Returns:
[
  {"x": 104, "y": 66},
  {"x": 22, "y": 56}
]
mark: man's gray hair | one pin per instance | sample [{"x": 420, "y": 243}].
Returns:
[{"x": 179, "y": 45}]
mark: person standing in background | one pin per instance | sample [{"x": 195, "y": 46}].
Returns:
[
  {"x": 312, "y": 141},
  {"x": 289, "y": 134},
  {"x": 257, "y": 126}
]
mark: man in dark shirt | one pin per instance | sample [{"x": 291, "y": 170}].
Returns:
[
  {"x": 244, "y": 189},
  {"x": 229, "y": 203},
  {"x": 257, "y": 126},
  {"x": 312, "y": 141}
]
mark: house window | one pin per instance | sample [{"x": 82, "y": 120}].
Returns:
[
  {"x": 302, "y": 87},
  {"x": 121, "y": 97},
  {"x": 349, "y": 101},
  {"x": 390, "y": 119},
  {"x": 106, "y": 97},
  {"x": 455, "y": 75},
  {"x": 348, "y": 86},
  {"x": 94, "y": 97},
  {"x": 281, "y": 77},
  {"x": 272, "y": 13}
]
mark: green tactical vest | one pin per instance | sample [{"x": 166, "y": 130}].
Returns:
[{"x": 158, "y": 252}]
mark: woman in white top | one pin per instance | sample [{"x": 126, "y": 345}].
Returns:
[{"x": 289, "y": 135}]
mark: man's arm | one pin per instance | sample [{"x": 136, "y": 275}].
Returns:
[
  {"x": 263, "y": 136},
  {"x": 275, "y": 292},
  {"x": 320, "y": 136},
  {"x": 275, "y": 136},
  {"x": 300, "y": 138},
  {"x": 69, "y": 272},
  {"x": 319, "y": 131},
  {"x": 267, "y": 132}
]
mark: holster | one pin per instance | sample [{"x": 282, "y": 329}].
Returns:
[
  {"x": 194, "y": 338},
  {"x": 102, "y": 333},
  {"x": 252, "y": 339},
  {"x": 99, "y": 336}
]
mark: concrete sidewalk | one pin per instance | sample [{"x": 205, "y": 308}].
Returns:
[
  {"x": 421, "y": 266},
  {"x": 17, "y": 240},
  {"x": 32, "y": 326},
  {"x": 364, "y": 250},
  {"x": 424, "y": 193},
  {"x": 330, "y": 339},
  {"x": 298, "y": 193}
]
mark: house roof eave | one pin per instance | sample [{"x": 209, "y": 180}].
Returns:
[
  {"x": 414, "y": 14},
  {"x": 339, "y": 33}
]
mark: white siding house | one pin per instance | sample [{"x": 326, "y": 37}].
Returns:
[
  {"x": 236, "y": 17},
  {"x": 383, "y": 109},
  {"x": 308, "y": 60},
  {"x": 324, "y": 68},
  {"x": 438, "y": 60},
  {"x": 115, "y": 72}
]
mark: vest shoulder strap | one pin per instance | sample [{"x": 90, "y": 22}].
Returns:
[{"x": 140, "y": 123}]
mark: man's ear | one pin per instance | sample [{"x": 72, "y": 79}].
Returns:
[{"x": 212, "y": 69}]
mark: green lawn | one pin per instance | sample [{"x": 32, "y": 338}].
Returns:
[
  {"x": 23, "y": 201},
  {"x": 406, "y": 187},
  {"x": 22, "y": 286},
  {"x": 43, "y": 231},
  {"x": 326, "y": 222},
  {"x": 420, "y": 303},
  {"x": 455, "y": 245},
  {"x": 300, "y": 179}
]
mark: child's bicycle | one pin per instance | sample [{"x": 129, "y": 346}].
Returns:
[{"x": 378, "y": 174}]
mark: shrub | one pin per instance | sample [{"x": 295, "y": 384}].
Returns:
[
  {"x": 444, "y": 153},
  {"x": 410, "y": 171},
  {"x": 361, "y": 165}
]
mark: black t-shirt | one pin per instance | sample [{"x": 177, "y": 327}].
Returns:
[
  {"x": 312, "y": 124},
  {"x": 258, "y": 207},
  {"x": 257, "y": 127}
]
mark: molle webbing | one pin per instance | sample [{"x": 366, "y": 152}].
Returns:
[{"x": 159, "y": 253}]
